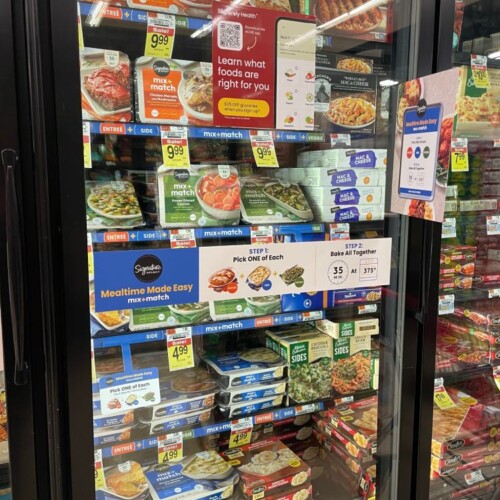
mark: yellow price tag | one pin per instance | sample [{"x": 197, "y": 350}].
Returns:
[
  {"x": 263, "y": 149},
  {"x": 459, "y": 155},
  {"x": 441, "y": 396},
  {"x": 87, "y": 149},
  {"x": 241, "y": 432},
  {"x": 170, "y": 447},
  {"x": 80, "y": 30},
  {"x": 160, "y": 35},
  {"x": 479, "y": 67},
  {"x": 180, "y": 349},
  {"x": 90, "y": 256},
  {"x": 174, "y": 147},
  {"x": 100, "y": 480}
]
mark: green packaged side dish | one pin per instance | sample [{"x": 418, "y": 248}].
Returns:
[
  {"x": 169, "y": 316},
  {"x": 241, "y": 308}
]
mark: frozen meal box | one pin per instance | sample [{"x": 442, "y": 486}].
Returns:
[
  {"x": 273, "y": 336},
  {"x": 201, "y": 196},
  {"x": 328, "y": 196},
  {"x": 344, "y": 158},
  {"x": 109, "y": 320},
  {"x": 331, "y": 177},
  {"x": 359, "y": 421},
  {"x": 349, "y": 328},
  {"x": 112, "y": 205},
  {"x": 250, "y": 407},
  {"x": 306, "y": 301},
  {"x": 251, "y": 393},
  {"x": 241, "y": 308},
  {"x": 328, "y": 213},
  {"x": 480, "y": 312},
  {"x": 266, "y": 467},
  {"x": 123, "y": 418},
  {"x": 199, "y": 476},
  {"x": 252, "y": 366},
  {"x": 125, "y": 480},
  {"x": 266, "y": 200},
  {"x": 105, "y": 85},
  {"x": 175, "y": 92},
  {"x": 168, "y": 316},
  {"x": 351, "y": 364},
  {"x": 309, "y": 359}
]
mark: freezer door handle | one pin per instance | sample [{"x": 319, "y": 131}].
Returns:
[{"x": 15, "y": 262}]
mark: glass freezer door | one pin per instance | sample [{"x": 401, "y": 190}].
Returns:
[{"x": 244, "y": 273}]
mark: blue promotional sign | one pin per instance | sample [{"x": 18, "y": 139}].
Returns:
[{"x": 140, "y": 278}]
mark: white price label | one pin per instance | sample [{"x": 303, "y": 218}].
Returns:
[
  {"x": 302, "y": 410},
  {"x": 312, "y": 315},
  {"x": 446, "y": 304},
  {"x": 452, "y": 191},
  {"x": 261, "y": 234},
  {"x": 87, "y": 148},
  {"x": 170, "y": 447},
  {"x": 496, "y": 143},
  {"x": 340, "y": 231},
  {"x": 449, "y": 229},
  {"x": 493, "y": 225},
  {"x": 340, "y": 139},
  {"x": 367, "y": 309},
  {"x": 474, "y": 477},
  {"x": 182, "y": 238},
  {"x": 493, "y": 293}
]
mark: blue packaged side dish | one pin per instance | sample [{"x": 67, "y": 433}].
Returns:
[
  {"x": 251, "y": 393},
  {"x": 247, "y": 367},
  {"x": 250, "y": 407}
]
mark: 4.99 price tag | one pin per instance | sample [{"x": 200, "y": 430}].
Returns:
[
  {"x": 180, "y": 349},
  {"x": 263, "y": 148},
  {"x": 459, "y": 155},
  {"x": 241, "y": 432},
  {"x": 479, "y": 69},
  {"x": 170, "y": 447},
  {"x": 174, "y": 147},
  {"x": 160, "y": 35}
]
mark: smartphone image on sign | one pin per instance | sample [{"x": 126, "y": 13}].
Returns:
[{"x": 419, "y": 152}]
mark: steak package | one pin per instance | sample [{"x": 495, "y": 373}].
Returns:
[{"x": 105, "y": 85}]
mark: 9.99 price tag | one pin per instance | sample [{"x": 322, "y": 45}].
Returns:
[
  {"x": 479, "y": 69},
  {"x": 100, "y": 480},
  {"x": 160, "y": 35},
  {"x": 263, "y": 148},
  {"x": 174, "y": 147},
  {"x": 241, "y": 432},
  {"x": 441, "y": 396},
  {"x": 170, "y": 447},
  {"x": 180, "y": 349},
  {"x": 459, "y": 155}
]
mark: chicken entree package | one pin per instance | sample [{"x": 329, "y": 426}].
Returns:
[
  {"x": 174, "y": 91},
  {"x": 266, "y": 467},
  {"x": 105, "y": 85}
]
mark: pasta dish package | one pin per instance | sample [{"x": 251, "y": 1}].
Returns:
[
  {"x": 345, "y": 102},
  {"x": 344, "y": 158},
  {"x": 309, "y": 358},
  {"x": 105, "y": 85},
  {"x": 174, "y": 91},
  {"x": 478, "y": 109},
  {"x": 351, "y": 364},
  {"x": 266, "y": 467},
  {"x": 201, "y": 196},
  {"x": 370, "y": 24}
]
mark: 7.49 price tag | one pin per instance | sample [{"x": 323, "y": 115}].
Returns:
[
  {"x": 263, "y": 148},
  {"x": 180, "y": 349},
  {"x": 241, "y": 432},
  {"x": 170, "y": 447},
  {"x": 160, "y": 35},
  {"x": 479, "y": 69},
  {"x": 441, "y": 396},
  {"x": 174, "y": 147},
  {"x": 459, "y": 155}
]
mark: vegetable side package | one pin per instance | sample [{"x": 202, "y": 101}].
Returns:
[
  {"x": 203, "y": 196},
  {"x": 105, "y": 85},
  {"x": 267, "y": 467},
  {"x": 344, "y": 158},
  {"x": 248, "y": 367},
  {"x": 168, "y": 316},
  {"x": 267, "y": 200},
  {"x": 177, "y": 92},
  {"x": 199, "y": 476},
  {"x": 309, "y": 356},
  {"x": 353, "y": 328},
  {"x": 241, "y": 308},
  {"x": 112, "y": 205}
]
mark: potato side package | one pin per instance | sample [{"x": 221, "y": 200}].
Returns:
[
  {"x": 267, "y": 467},
  {"x": 309, "y": 356}
]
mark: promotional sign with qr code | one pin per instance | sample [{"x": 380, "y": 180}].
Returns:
[{"x": 264, "y": 63}]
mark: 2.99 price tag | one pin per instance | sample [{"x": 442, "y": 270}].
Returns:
[
  {"x": 100, "y": 480},
  {"x": 170, "y": 447},
  {"x": 180, "y": 349},
  {"x": 241, "y": 432},
  {"x": 441, "y": 396},
  {"x": 459, "y": 155},
  {"x": 263, "y": 148},
  {"x": 160, "y": 35},
  {"x": 479, "y": 69},
  {"x": 174, "y": 147}
]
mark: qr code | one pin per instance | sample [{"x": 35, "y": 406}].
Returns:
[{"x": 230, "y": 35}]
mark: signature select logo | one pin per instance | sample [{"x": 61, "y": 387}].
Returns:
[{"x": 148, "y": 268}]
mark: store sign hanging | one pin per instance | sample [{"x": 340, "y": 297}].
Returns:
[
  {"x": 263, "y": 67},
  {"x": 157, "y": 277}
]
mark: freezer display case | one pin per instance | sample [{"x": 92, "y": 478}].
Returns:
[{"x": 465, "y": 458}]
